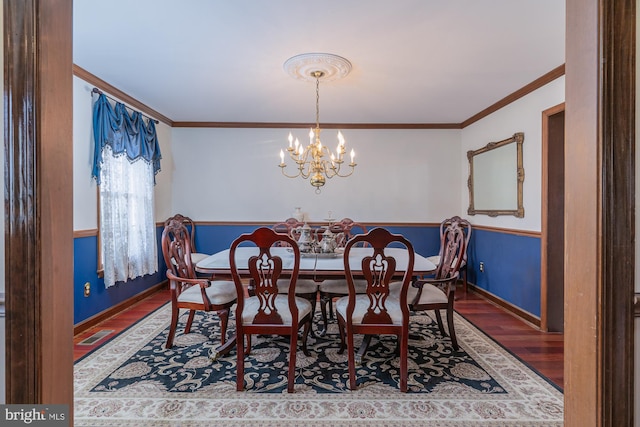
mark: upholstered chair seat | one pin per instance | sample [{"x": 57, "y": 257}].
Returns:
[
  {"x": 303, "y": 286},
  {"x": 197, "y": 257},
  {"x": 219, "y": 292},
  {"x": 431, "y": 294},
  {"x": 392, "y": 306},
  {"x": 252, "y": 304},
  {"x": 340, "y": 286}
]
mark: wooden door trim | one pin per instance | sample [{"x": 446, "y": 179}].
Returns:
[
  {"x": 599, "y": 226},
  {"x": 544, "y": 236},
  {"x": 618, "y": 211},
  {"x": 38, "y": 89}
]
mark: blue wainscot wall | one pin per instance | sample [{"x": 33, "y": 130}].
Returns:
[
  {"x": 85, "y": 267},
  {"x": 511, "y": 265}
]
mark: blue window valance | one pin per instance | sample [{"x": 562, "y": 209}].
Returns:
[{"x": 125, "y": 134}]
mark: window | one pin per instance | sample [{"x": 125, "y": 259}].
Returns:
[{"x": 126, "y": 159}]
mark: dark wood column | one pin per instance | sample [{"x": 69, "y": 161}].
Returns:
[
  {"x": 599, "y": 215},
  {"x": 38, "y": 200},
  {"x": 618, "y": 212}
]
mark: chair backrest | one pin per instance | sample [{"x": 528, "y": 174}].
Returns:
[
  {"x": 452, "y": 250},
  {"x": 176, "y": 249},
  {"x": 466, "y": 228},
  {"x": 379, "y": 270},
  {"x": 265, "y": 270},
  {"x": 288, "y": 227},
  {"x": 189, "y": 224},
  {"x": 346, "y": 228}
]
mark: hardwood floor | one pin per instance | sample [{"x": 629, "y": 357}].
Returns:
[
  {"x": 542, "y": 351},
  {"x": 119, "y": 322}
]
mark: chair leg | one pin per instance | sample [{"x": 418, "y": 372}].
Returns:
[
  {"x": 403, "y": 339},
  {"x": 366, "y": 341},
  {"x": 187, "y": 327},
  {"x": 248, "y": 345},
  {"x": 324, "y": 301},
  {"x": 439, "y": 319},
  {"x": 293, "y": 349},
  {"x": 224, "y": 318},
  {"x": 343, "y": 338},
  {"x": 175, "y": 311},
  {"x": 464, "y": 279},
  {"x": 305, "y": 333},
  {"x": 452, "y": 331},
  {"x": 314, "y": 301},
  {"x": 352, "y": 360},
  {"x": 240, "y": 362}
]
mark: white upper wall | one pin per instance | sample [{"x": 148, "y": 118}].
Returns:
[
  {"x": 85, "y": 196},
  {"x": 233, "y": 175},
  {"x": 523, "y": 115},
  {"x": 219, "y": 174}
]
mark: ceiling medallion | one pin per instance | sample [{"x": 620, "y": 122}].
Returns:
[{"x": 305, "y": 65}]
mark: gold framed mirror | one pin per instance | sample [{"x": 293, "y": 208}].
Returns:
[{"x": 495, "y": 179}]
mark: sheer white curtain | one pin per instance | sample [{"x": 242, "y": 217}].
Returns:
[
  {"x": 126, "y": 159},
  {"x": 127, "y": 226}
]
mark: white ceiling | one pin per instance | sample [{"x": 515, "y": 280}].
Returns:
[{"x": 414, "y": 61}]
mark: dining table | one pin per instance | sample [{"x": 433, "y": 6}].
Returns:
[{"x": 313, "y": 265}]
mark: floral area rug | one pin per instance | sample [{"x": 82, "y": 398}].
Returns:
[{"x": 134, "y": 381}]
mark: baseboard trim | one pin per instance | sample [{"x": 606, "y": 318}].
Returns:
[
  {"x": 507, "y": 306},
  {"x": 112, "y": 311}
]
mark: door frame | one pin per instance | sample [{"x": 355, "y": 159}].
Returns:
[
  {"x": 38, "y": 201},
  {"x": 599, "y": 212},
  {"x": 544, "y": 238}
]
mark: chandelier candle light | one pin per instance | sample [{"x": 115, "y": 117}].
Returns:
[{"x": 315, "y": 161}]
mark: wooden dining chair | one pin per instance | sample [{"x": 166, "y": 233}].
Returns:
[
  {"x": 187, "y": 290},
  {"x": 467, "y": 229},
  {"x": 268, "y": 311},
  {"x": 330, "y": 289},
  {"x": 377, "y": 311},
  {"x": 191, "y": 230},
  {"x": 438, "y": 293},
  {"x": 305, "y": 288}
]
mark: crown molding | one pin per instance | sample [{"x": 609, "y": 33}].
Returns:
[
  {"x": 534, "y": 85},
  {"x": 117, "y": 93},
  {"x": 106, "y": 87}
]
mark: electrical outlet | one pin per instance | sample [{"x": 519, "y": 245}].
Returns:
[
  {"x": 481, "y": 267},
  {"x": 87, "y": 289}
]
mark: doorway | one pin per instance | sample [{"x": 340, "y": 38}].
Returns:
[{"x": 552, "y": 242}]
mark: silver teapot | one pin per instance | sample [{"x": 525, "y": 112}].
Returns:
[
  {"x": 328, "y": 243},
  {"x": 305, "y": 241}
]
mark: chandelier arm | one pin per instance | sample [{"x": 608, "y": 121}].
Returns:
[
  {"x": 286, "y": 174},
  {"x": 353, "y": 168},
  {"x": 300, "y": 172}
]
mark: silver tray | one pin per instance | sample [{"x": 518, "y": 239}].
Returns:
[{"x": 319, "y": 254}]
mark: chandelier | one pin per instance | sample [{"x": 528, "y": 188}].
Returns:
[{"x": 316, "y": 161}]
